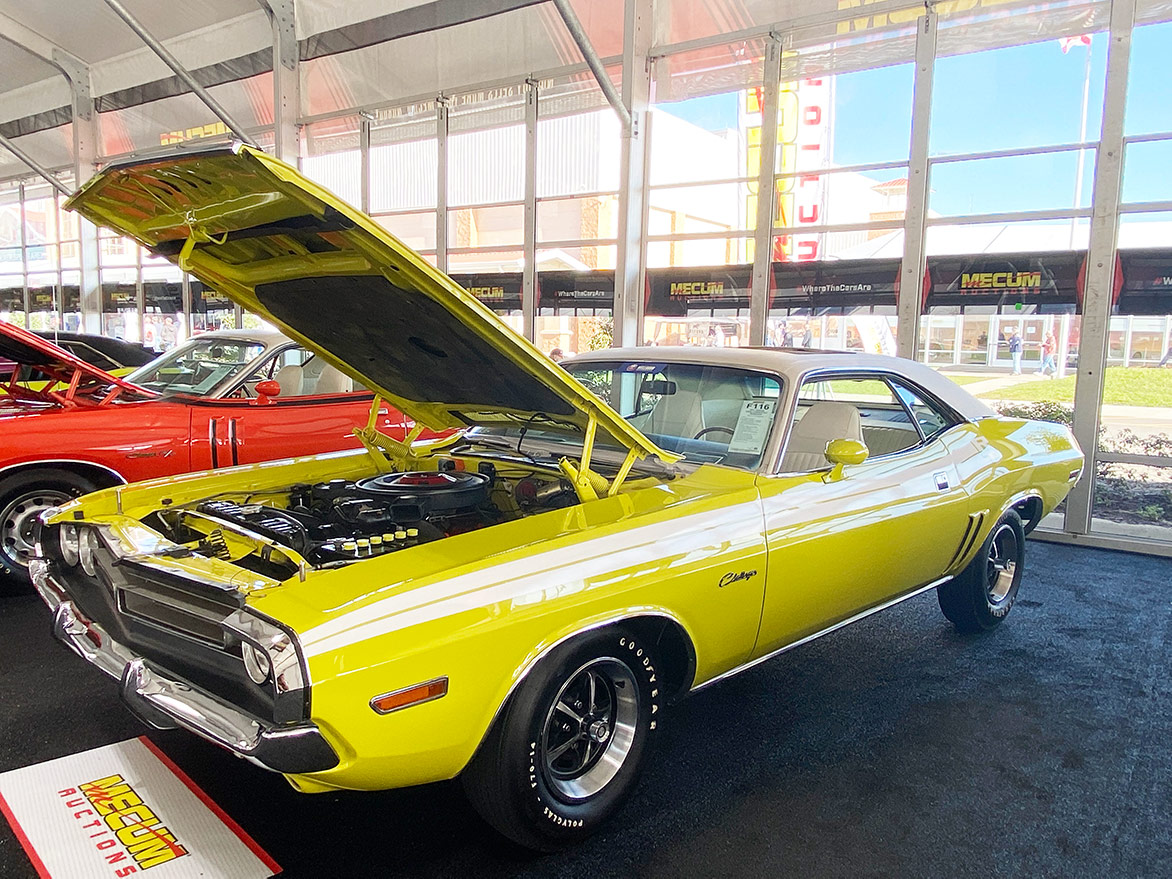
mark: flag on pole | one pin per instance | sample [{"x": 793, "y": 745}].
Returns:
[{"x": 1068, "y": 43}]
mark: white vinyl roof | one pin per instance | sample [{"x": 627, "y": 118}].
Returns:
[{"x": 793, "y": 364}]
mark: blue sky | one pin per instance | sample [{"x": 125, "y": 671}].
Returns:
[{"x": 1006, "y": 98}]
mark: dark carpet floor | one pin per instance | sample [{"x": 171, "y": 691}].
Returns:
[{"x": 894, "y": 747}]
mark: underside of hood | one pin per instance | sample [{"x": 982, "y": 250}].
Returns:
[{"x": 286, "y": 249}]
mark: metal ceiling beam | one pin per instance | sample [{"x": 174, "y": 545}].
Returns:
[
  {"x": 179, "y": 70},
  {"x": 85, "y": 150},
  {"x": 574, "y": 26},
  {"x": 77, "y": 74},
  {"x": 35, "y": 165},
  {"x": 12, "y": 31},
  {"x": 286, "y": 78}
]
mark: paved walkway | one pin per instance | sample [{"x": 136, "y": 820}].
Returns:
[{"x": 998, "y": 382}]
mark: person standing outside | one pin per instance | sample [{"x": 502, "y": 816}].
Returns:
[
  {"x": 1048, "y": 367},
  {"x": 1014, "y": 343}
]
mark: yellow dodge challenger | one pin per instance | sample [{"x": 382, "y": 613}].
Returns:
[{"x": 514, "y": 592}]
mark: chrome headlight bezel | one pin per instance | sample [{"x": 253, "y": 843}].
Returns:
[
  {"x": 69, "y": 542},
  {"x": 287, "y": 676},
  {"x": 88, "y": 543}
]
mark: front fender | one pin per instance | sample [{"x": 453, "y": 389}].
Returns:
[{"x": 435, "y": 740}]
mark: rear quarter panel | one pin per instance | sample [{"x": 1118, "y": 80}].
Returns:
[{"x": 1010, "y": 460}]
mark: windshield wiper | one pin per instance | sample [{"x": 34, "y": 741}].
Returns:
[{"x": 493, "y": 444}]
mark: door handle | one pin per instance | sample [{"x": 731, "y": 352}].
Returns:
[{"x": 941, "y": 481}]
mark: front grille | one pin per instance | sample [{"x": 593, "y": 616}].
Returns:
[
  {"x": 171, "y": 602},
  {"x": 170, "y": 619},
  {"x": 174, "y": 610}
]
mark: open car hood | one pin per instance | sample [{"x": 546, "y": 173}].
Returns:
[
  {"x": 64, "y": 380},
  {"x": 252, "y": 227}
]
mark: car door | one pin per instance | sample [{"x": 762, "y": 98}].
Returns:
[
  {"x": 248, "y": 429},
  {"x": 839, "y": 545}
]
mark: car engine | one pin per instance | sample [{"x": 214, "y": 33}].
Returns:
[{"x": 340, "y": 521}]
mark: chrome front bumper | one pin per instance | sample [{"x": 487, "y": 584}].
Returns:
[{"x": 166, "y": 702}]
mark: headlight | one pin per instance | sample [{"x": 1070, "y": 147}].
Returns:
[
  {"x": 256, "y": 662},
  {"x": 87, "y": 544},
  {"x": 271, "y": 659},
  {"x": 70, "y": 539}
]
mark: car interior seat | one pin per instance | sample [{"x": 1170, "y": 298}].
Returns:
[
  {"x": 722, "y": 408},
  {"x": 677, "y": 414},
  {"x": 291, "y": 378},
  {"x": 699, "y": 403},
  {"x": 823, "y": 422},
  {"x": 333, "y": 381}
]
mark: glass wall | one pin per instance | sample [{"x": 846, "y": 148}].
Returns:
[
  {"x": 577, "y": 219},
  {"x": 39, "y": 258},
  {"x": 404, "y": 157},
  {"x": 1133, "y": 476},
  {"x": 1012, "y": 134}
]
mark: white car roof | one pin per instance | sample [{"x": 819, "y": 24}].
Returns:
[
  {"x": 794, "y": 363},
  {"x": 267, "y": 336}
]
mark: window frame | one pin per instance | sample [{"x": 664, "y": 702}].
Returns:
[
  {"x": 268, "y": 362},
  {"x": 887, "y": 376},
  {"x": 229, "y": 384}
]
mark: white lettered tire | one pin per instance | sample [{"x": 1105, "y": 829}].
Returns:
[{"x": 567, "y": 749}]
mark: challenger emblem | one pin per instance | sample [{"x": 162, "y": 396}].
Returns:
[{"x": 731, "y": 577}]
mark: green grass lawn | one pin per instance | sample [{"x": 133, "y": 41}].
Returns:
[{"x": 1126, "y": 386}]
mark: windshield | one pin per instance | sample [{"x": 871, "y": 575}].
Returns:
[
  {"x": 197, "y": 366},
  {"x": 708, "y": 414}
]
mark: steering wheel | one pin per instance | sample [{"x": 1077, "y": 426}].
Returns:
[{"x": 727, "y": 430}]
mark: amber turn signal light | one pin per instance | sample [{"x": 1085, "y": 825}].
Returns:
[{"x": 416, "y": 695}]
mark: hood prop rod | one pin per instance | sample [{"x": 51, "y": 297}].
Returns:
[{"x": 589, "y": 485}]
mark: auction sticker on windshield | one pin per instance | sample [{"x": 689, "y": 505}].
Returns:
[
  {"x": 124, "y": 810},
  {"x": 752, "y": 428}
]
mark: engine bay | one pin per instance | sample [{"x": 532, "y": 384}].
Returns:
[{"x": 339, "y": 522}]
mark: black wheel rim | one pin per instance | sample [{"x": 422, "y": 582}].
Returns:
[
  {"x": 1001, "y": 568},
  {"x": 590, "y": 728}
]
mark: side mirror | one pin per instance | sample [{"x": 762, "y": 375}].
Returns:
[
  {"x": 841, "y": 452},
  {"x": 266, "y": 390}
]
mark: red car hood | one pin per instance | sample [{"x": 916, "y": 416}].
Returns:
[{"x": 65, "y": 381}]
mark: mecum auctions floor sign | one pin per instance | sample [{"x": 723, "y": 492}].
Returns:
[{"x": 124, "y": 810}]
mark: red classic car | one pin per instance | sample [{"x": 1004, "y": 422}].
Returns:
[
  {"x": 115, "y": 356},
  {"x": 222, "y": 398}
]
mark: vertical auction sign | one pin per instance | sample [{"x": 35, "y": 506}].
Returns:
[{"x": 803, "y": 145}]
